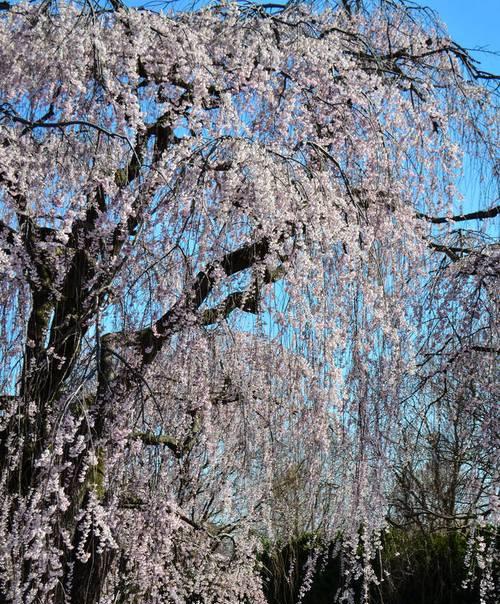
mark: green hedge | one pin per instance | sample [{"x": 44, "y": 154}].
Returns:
[{"x": 422, "y": 569}]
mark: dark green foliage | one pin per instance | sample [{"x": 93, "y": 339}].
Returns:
[
  {"x": 424, "y": 569},
  {"x": 283, "y": 570},
  {"x": 417, "y": 568}
]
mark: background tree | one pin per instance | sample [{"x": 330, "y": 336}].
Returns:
[{"x": 217, "y": 231}]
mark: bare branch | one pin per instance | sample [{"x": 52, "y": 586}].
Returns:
[{"x": 479, "y": 215}]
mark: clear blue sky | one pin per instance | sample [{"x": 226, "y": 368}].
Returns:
[{"x": 472, "y": 23}]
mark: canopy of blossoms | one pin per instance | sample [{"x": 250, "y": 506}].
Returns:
[{"x": 230, "y": 257}]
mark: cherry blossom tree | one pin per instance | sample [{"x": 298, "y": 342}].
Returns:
[{"x": 229, "y": 252}]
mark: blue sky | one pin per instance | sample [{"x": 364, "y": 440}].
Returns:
[{"x": 473, "y": 24}]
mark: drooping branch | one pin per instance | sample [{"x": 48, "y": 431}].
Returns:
[{"x": 61, "y": 125}]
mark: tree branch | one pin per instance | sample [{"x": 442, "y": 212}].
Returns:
[
  {"x": 479, "y": 215},
  {"x": 151, "y": 339},
  {"x": 247, "y": 301},
  {"x": 159, "y": 440},
  {"x": 30, "y": 124}
]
